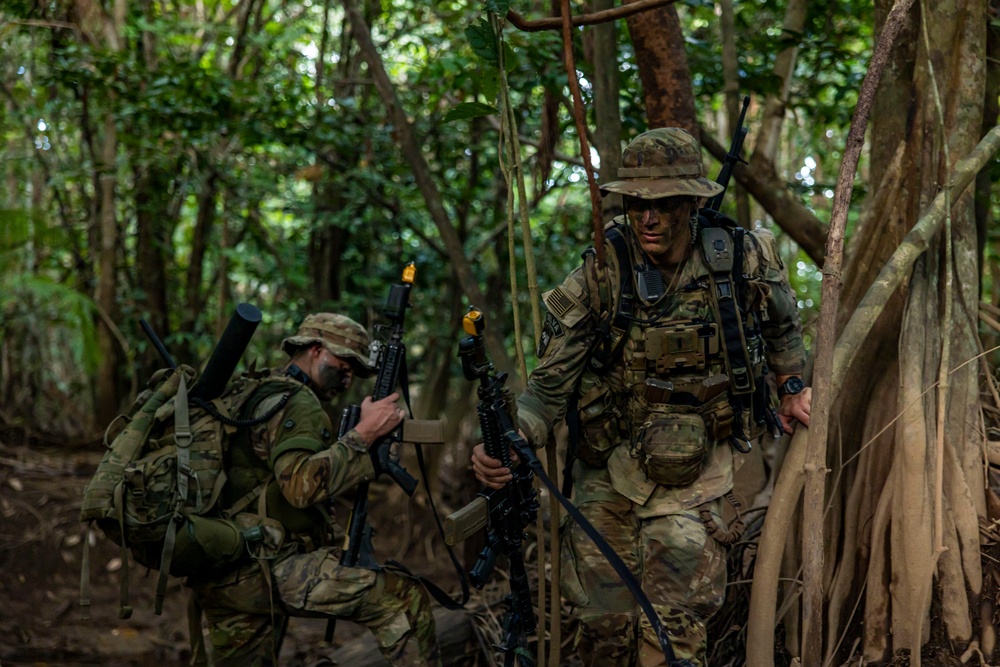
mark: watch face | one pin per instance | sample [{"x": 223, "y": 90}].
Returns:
[{"x": 792, "y": 385}]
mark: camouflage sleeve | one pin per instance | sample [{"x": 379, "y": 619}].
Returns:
[
  {"x": 782, "y": 328},
  {"x": 567, "y": 337},
  {"x": 309, "y": 464}
]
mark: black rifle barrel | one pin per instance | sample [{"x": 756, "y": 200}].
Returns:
[
  {"x": 732, "y": 158},
  {"x": 157, "y": 343},
  {"x": 227, "y": 353}
]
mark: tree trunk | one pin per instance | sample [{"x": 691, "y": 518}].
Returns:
[
  {"x": 194, "y": 292},
  {"x": 95, "y": 21},
  {"x": 663, "y": 69},
  {"x": 947, "y": 85},
  {"x": 607, "y": 114},
  {"x": 906, "y": 513},
  {"x": 152, "y": 244}
]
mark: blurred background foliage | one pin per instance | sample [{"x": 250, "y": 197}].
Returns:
[{"x": 254, "y": 161}]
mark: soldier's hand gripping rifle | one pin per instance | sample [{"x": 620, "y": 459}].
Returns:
[
  {"x": 507, "y": 511},
  {"x": 390, "y": 360}
]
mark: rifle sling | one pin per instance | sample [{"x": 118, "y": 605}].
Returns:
[{"x": 446, "y": 601}]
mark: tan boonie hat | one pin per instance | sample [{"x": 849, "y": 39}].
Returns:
[
  {"x": 664, "y": 162},
  {"x": 341, "y": 335}
]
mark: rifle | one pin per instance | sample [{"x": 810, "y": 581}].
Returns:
[
  {"x": 507, "y": 511},
  {"x": 731, "y": 160},
  {"x": 391, "y": 363},
  {"x": 390, "y": 359}
]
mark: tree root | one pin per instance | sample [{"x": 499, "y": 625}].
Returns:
[{"x": 764, "y": 591}]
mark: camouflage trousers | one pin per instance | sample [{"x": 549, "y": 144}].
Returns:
[
  {"x": 681, "y": 569},
  {"x": 247, "y": 615}
]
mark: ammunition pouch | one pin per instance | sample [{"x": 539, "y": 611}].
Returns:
[
  {"x": 599, "y": 426},
  {"x": 718, "y": 418},
  {"x": 671, "y": 449}
]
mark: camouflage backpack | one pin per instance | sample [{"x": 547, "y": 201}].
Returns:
[{"x": 155, "y": 492}]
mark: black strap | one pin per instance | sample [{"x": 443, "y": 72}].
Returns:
[
  {"x": 613, "y": 329},
  {"x": 436, "y": 592},
  {"x": 527, "y": 454}
]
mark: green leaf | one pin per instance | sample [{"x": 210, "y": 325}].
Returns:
[
  {"x": 483, "y": 41},
  {"x": 470, "y": 110},
  {"x": 509, "y": 59}
]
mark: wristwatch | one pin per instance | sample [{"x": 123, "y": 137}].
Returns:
[{"x": 791, "y": 386}]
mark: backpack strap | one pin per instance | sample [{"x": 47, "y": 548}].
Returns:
[
  {"x": 613, "y": 329},
  {"x": 718, "y": 247},
  {"x": 124, "y": 609},
  {"x": 182, "y": 439},
  {"x": 723, "y": 252},
  {"x": 85, "y": 575}
]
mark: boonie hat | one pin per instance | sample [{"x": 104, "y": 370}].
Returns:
[
  {"x": 664, "y": 162},
  {"x": 340, "y": 335}
]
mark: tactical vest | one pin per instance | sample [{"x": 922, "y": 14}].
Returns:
[{"x": 677, "y": 376}]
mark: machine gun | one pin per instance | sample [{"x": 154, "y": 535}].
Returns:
[
  {"x": 390, "y": 359},
  {"x": 508, "y": 511}
]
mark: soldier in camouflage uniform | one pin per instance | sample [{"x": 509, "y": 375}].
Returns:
[
  {"x": 300, "y": 464},
  {"x": 654, "y": 458}
]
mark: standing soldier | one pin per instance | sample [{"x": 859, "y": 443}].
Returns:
[
  {"x": 662, "y": 373},
  {"x": 296, "y": 459}
]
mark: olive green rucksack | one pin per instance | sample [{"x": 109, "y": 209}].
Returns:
[{"x": 171, "y": 522}]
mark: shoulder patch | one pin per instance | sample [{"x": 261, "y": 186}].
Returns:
[
  {"x": 564, "y": 305},
  {"x": 550, "y": 329}
]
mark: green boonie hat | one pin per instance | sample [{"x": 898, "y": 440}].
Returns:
[
  {"x": 341, "y": 335},
  {"x": 664, "y": 162}
]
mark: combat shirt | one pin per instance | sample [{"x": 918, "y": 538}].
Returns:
[
  {"x": 574, "y": 314},
  {"x": 310, "y": 465}
]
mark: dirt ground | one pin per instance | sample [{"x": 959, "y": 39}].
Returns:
[{"x": 40, "y": 563}]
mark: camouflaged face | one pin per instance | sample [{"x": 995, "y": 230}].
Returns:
[
  {"x": 664, "y": 162},
  {"x": 339, "y": 334}
]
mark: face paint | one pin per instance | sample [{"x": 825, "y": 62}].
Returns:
[
  {"x": 331, "y": 379},
  {"x": 661, "y": 226}
]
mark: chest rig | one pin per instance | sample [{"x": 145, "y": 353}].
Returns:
[{"x": 696, "y": 350}]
